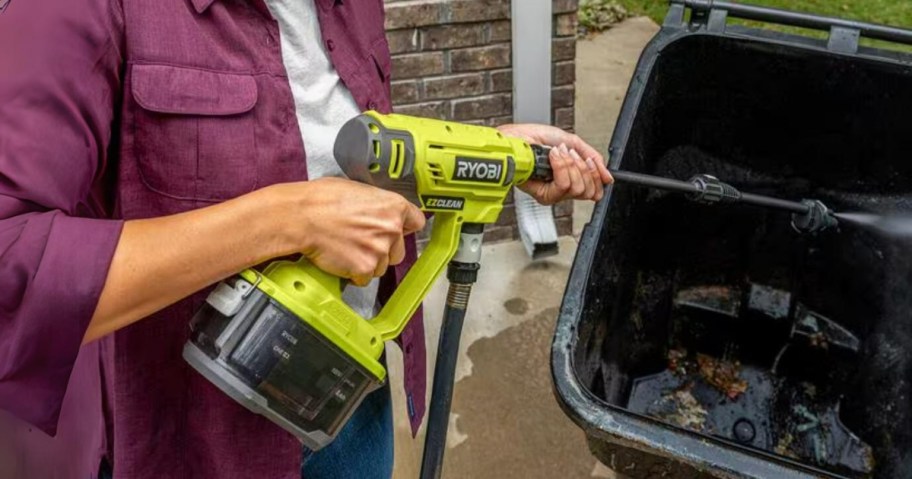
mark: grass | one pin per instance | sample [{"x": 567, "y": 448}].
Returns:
[{"x": 889, "y": 12}]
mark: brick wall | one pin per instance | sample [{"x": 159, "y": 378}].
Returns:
[{"x": 451, "y": 60}]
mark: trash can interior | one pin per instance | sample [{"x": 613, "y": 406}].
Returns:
[{"x": 722, "y": 320}]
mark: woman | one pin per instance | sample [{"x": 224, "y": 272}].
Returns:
[{"x": 151, "y": 149}]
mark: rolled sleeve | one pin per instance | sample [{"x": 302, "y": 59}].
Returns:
[
  {"x": 43, "y": 333},
  {"x": 58, "y": 90}
]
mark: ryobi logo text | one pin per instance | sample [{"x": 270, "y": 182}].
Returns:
[
  {"x": 470, "y": 169},
  {"x": 443, "y": 203}
]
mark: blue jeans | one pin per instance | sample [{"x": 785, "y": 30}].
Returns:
[
  {"x": 362, "y": 450},
  {"x": 364, "y": 447}
]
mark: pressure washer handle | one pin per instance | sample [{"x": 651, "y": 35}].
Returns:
[{"x": 542, "y": 170}]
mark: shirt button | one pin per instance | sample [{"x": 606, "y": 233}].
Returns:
[
  {"x": 371, "y": 105},
  {"x": 330, "y": 45}
]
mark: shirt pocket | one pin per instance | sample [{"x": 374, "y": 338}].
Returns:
[{"x": 194, "y": 131}]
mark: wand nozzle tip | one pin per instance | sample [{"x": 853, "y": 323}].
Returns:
[{"x": 817, "y": 218}]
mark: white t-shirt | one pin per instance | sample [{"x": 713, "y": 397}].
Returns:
[{"x": 322, "y": 103}]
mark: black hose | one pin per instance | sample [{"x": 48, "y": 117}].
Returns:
[{"x": 444, "y": 375}]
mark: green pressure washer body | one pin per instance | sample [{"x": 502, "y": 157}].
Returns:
[{"x": 283, "y": 343}]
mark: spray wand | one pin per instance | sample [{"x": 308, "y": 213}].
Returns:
[{"x": 808, "y": 216}]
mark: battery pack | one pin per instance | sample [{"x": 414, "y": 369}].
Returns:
[{"x": 277, "y": 365}]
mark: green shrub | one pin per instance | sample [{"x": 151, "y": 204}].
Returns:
[{"x": 599, "y": 15}]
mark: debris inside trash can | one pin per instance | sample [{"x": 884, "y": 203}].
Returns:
[
  {"x": 822, "y": 332},
  {"x": 722, "y": 374},
  {"x": 715, "y": 396},
  {"x": 684, "y": 410}
]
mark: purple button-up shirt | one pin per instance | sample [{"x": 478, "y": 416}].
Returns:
[{"x": 111, "y": 111}]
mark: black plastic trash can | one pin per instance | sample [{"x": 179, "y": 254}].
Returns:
[{"x": 699, "y": 341}]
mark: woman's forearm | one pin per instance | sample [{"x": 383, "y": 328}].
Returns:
[
  {"x": 159, "y": 261},
  {"x": 347, "y": 229}
]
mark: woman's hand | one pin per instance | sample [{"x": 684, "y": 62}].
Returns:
[
  {"x": 579, "y": 170},
  {"x": 346, "y": 228}
]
